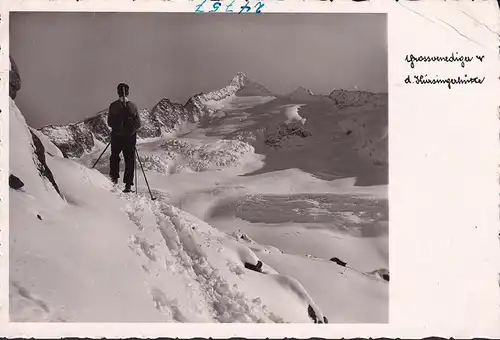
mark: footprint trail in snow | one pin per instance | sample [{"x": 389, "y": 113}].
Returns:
[{"x": 183, "y": 253}]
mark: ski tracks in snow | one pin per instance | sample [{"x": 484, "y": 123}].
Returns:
[{"x": 176, "y": 244}]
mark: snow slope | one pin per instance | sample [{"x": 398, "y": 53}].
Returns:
[
  {"x": 99, "y": 255},
  {"x": 370, "y": 132}
]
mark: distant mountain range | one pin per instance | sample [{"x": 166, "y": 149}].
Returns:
[{"x": 168, "y": 118}]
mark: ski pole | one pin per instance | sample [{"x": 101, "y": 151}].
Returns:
[
  {"x": 140, "y": 163},
  {"x": 135, "y": 169},
  {"x": 101, "y": 154}
]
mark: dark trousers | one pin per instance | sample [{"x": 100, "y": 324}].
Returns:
[{"x": 125, "y": 144}]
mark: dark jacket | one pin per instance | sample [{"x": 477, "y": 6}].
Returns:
[{"x": 123, "y": 120}]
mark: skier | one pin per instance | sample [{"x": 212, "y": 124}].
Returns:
[{"x": 124, "y": 121}]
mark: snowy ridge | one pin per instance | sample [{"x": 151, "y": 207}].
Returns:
[
  {"x": 238, "y": 83},
  {"x": 164, "y": 119},
  {"x": 77, "y": 139},
  {"x": 340, "y": 98}
]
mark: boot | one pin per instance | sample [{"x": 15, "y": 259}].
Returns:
[{"x": 127, "y": 188}]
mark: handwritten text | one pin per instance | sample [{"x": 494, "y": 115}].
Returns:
[
  {"x": 463, "y": 60},
  {"x": 424, "y": 80},
  {"x": 454, "y": 58}
]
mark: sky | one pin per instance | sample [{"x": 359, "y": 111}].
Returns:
[{"x": 71, "y": 63}]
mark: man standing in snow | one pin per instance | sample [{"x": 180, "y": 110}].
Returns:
[{"x": 124, "y": 121}]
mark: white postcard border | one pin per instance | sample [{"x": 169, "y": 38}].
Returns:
[{"x": 444, "y": 273}]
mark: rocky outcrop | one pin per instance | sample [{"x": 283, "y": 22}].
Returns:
[
  {"x": 344, "y": 98},
  {"x": 285, "y": 131},
  {"x": 314, "y": 316},
  {"x": 165, "y": 118},
  {"x": 14, "y": 79},
  {"x": 15, "y": 183},
  {"x": 73, "y": 140},
  {"x": 43, "y": 168},
  {"x": 382, "y": 273}
]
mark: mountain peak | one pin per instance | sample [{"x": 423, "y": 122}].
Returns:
[
  {"x": 240, "y": 86},
  {"x": 244, "y": 86},
  {"x": 300, "y": 93},
  {"x": 240, "y": 75},
  {"x": 239, "y": 80}
]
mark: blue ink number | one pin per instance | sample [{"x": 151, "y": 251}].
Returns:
[
  {"x": 259, "y": 6},
  {"x": 198, "y": 8},
  {"x": 229, "y": 6},
  {"x": 217, "y": 4},
  {"x": 216, "y": 7},
  {"x": 245, "y": 7}
]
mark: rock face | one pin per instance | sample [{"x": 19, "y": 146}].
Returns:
[
  {"x": 14, "y": 79},
  {"x": 76, "y": 139},
  {"x": 165, "y": 118}
]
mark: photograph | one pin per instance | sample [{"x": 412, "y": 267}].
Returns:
[{"x": 177, "y": 167}]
